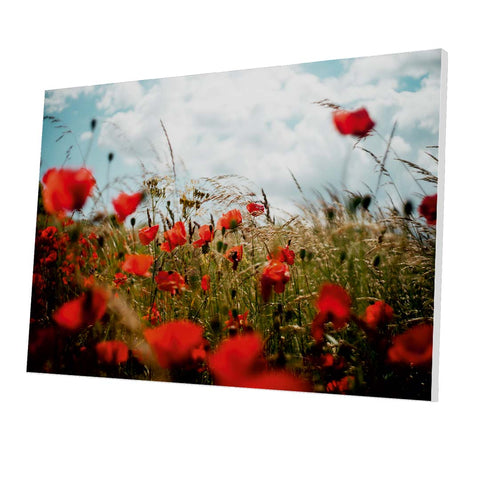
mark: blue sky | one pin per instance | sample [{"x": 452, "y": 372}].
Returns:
[{"x": 257, "y": 123}]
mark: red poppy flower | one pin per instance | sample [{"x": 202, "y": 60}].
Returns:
[
  {"x": 67, "y": 222},
  {"x": 428, "y": 209},
  {"x": 138, "y": 264},
  {"x": 205, "y": 284},
  {"x": 278, "y": 380},
  {"x": 38, "y": 281},
  {"x": 120, "y": 279},
  {"x": 237, "y": 359},
  {"x": 174, "y": 237},
  {"x": 84, "y": 310},
  {"x": 176, "y": 343},
  {"x": 283, "y": 255},
  {"x": 341, "y": 386},
  {"x": 356, "y": 123},
  {"x": 229, "y": 220},
  {"x": 42, "y": 341},
  {"x": 327, "y": 360},
  {"x": 239, "y": 362},
  {"x": 51, "y": 258},
  {"x": 413, "y": 347},
  {"x": 238, "y": 321},
  {"x": 333, "y": 305},
  {"x": 48, "y": 233},
  {"x": 206, "y": 234},
  {"x": 255, "y": 209},
  {"x": 171, "y": 282},
  {"x": 66, "y": 189},
  {"x": 379, "y": 312},
  {"x": 235, "y": 255},
  {"x": 153, "y": 316},
  {"x": 125, "y": 204},
  {"x": 112, "y": 351},
  {"x": 147, "y": 234},
  {"x": 274, "y": 277},
  {"x": 89, "y": 281}
]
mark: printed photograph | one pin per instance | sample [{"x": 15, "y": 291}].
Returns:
[{"x": 272, "y": 228}]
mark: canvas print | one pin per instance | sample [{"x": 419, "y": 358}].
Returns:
[{"x": 273, "y": 228}]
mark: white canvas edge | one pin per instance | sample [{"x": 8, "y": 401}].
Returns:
[{"x": 439, "y": 227}]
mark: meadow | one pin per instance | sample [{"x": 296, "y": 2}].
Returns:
[{"x": 203, "y": 284}]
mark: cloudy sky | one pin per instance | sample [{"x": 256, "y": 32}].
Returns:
[{"x": 257, "y": 123}]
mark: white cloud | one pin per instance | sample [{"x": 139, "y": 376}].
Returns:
[
  {"x": 120, "y": 96},
  {"x": 260, "y": 123},
  {"x": 86, "y": 136},
  {"x": 367, "y": 70},
  {"x": 57, "y": 100},
  {"x": 400, "y": 146}
]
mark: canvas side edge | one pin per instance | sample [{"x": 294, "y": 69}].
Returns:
[{"x": 439, "y": 227}]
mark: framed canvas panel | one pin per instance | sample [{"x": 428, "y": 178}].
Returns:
[{"x": 274, "y": 228}]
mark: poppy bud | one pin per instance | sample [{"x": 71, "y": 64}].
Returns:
[
  {"x": 74, "y": 235},
  {"x": 302, "y": 254},
  {"x": 215, "y": 324},
  {"x": 110, "y": 156},
  {"x": 280, "y": 359},
  {"x": 93, "y": 124},
  {"x": 113, "y": 220},
  {"x": 276, "y": 325},
  {"x": 330, "y": 213},
  {"x": 219, "y": 246},
  {"x": 376, "y": 261},
  {"x": 407, "y": 208},
  {"x": 366, "y": 201},
  {"x": 289, "y": 315},
  {"x": 132, "y": 221},
  {"x": 343, "y": 256},
  {"x": 354, "y": 203},
  {"x": 234, "y": 294}
]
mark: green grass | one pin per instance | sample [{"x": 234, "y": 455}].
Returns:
[{"x": 375, "y": 254}]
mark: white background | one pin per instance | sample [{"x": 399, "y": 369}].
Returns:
[{"x": 67, "y": 427}]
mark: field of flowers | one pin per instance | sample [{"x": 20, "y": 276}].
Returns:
[{"x": 337, "y": 299}]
